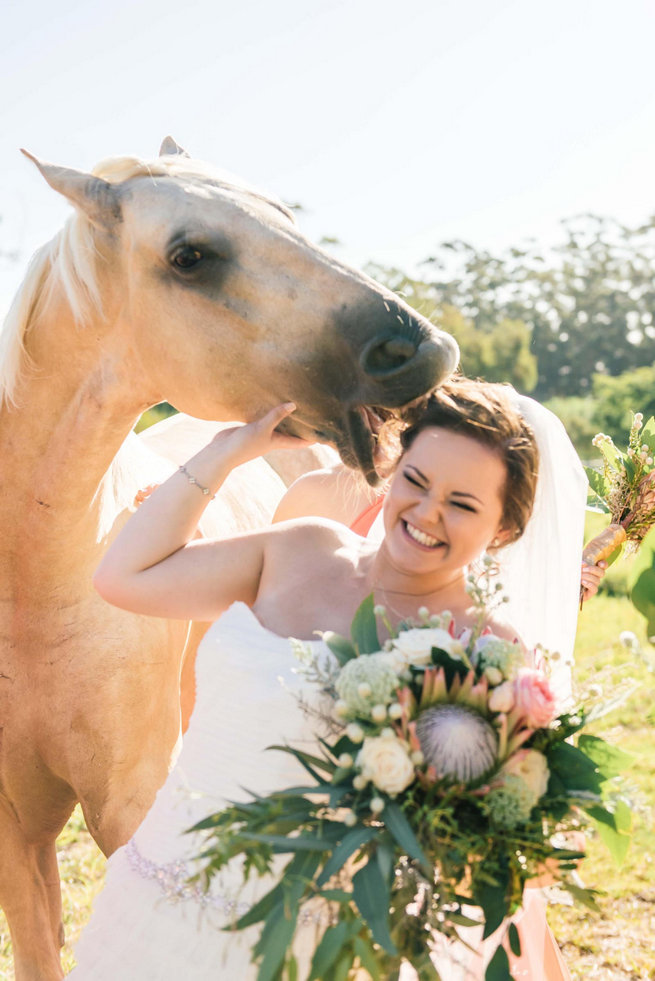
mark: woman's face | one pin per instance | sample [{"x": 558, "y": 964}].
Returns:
[{"x": 445, "y": 503}]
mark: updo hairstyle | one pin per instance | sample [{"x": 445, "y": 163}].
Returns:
[{"x": 483, "y": 411}]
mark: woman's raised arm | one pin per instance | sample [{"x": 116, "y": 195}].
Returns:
[{"x": 155, "y": 568}]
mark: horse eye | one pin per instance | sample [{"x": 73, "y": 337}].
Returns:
[{"x": 186, "y": 257}]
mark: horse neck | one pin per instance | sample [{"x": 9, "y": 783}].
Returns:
[{"x": 76, "y": 405}]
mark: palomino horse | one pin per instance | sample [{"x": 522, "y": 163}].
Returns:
[{"x": 169, "y": 282}]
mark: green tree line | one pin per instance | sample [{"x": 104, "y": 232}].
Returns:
[{"x": 573, "y": 326}]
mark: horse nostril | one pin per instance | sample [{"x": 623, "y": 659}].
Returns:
[{"x": 385, "y": 357}]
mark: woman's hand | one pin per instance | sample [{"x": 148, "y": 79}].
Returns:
[
  {"x": 249, "y": 440},
  {"x": 591, "y": 578}
]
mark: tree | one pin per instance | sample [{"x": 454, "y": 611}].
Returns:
[{"x": 588, "y": 305}]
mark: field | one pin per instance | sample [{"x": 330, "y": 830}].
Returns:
[{"x": 615, "y": 945}]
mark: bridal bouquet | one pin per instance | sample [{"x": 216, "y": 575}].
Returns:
[
  {"x": 442, "y": 787},
  {"x": 625, "y": 489}
]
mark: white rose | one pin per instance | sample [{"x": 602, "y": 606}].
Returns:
[
  {"x": 501, "y": 698},
  {"x": 416, "y": 645},
  {"x": 531, "y": 767},
  {"x": 386, "y": 763}
]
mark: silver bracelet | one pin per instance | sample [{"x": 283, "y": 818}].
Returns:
[{"x": 192, "y": 480}]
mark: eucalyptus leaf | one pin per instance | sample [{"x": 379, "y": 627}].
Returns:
[
  {"x": 366, "y": 953},
  {"x": 329, "y": 949},
  {"x": 610, "y": 760},
  {"x": 371, "y": 894},
  {"x": 398, "y": 825},
  {"x": 364, "y": 629},
  {"x": 341, "y": 647},
  {"x": 498, "y": 967},
  {"x": 514, "y": 940},
  {"x": 352, "y": 841},
  {"x": 613, "y": 828}
]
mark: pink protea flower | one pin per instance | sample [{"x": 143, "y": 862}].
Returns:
[{"x": 535, "y": 701}]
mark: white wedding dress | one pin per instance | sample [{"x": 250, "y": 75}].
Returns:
[{"x": 148, "y": 923}]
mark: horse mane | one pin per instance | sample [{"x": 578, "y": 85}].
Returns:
[{"x": 67, "y": 263}]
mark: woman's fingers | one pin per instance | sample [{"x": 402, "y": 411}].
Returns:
[{"x": 591, "y": 578}]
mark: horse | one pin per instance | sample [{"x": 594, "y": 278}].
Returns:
[{"x": 171, "y": 281}]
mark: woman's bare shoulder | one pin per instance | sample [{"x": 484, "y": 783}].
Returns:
[{"x": 337, "y": 493}]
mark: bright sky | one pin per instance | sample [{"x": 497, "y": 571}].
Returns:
[{"x": 396, "y": 123}]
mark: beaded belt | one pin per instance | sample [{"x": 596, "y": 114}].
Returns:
[{"x": 174, "y": 882}]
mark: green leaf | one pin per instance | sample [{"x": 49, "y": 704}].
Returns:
[
  {"x": 400, "y": 828},
  {"x": 340, "y": 646},
  {"x": 647, "y": 435},
  {"x": 498, "y": 967},
  {"x": 612, "y": 454},
  {"x": 364, "y": 630},
  {"x": 274, "y": 941},
  {"x": 371, "y": 894},
  {"x": 610, "y": 760},
  {"x": 331, "y": 946},
  {"x": 364, "y": 950},
  {"x": 283, "y": 843},
  {"x": 351, "y": 842},
  {"x": 597, "y": 483},
  {"x": 514, "y": 940},
  {"x": 583, "y": 896},
  {"x": 260, "y": 910},
  {"x": 320, "y": 762},
  {"x": 614, "y": 828},
  {"x": 573, "y": 768},
  {"x": 492, "y": 897}
]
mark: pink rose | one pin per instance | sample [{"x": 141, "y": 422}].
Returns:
[{"x": 535, "y": 700}]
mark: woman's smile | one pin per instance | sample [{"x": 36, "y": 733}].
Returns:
[{"x": 420, "y": 537}]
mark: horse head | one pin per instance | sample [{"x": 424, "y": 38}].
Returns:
[{"x": 209, "y": 288}]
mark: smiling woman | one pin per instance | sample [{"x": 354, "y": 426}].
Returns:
[{"x": 450, "y": 499}]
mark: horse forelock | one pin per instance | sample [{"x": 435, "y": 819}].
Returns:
[{"x": 116, "y": 170}]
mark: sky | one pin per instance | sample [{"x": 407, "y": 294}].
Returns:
[{"x": 396, "y": 124}]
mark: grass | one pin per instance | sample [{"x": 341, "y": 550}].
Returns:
[{"x": 615, "y": 945}]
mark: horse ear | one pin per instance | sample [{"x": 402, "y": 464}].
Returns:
[
  {"x": 98, "y": 199},
  {"x": 170, "y": 148}
]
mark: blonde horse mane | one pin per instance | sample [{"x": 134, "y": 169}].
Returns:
[{"x": 66, "y": 264}]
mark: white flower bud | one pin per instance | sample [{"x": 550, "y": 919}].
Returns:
[
  {"x": 364, "y": 689},
  {"x": 387, "y": 734},
  {"x": 376, "y": 805},
  {"x": 417, "y": 757},
  {"x": 395, "y": 710},
  {"x": 379, "y": 610},
  {"x": 350, "y": 819},
  {"x": 502, "y": 698},
  {"x": 354, "y": 732},
  {"x": 379, "y": 713},
  {"x": 345, "y": 760},
  {"x": 423, "y": 612},
  {"x": 360, "y": 781},
  {"x": 340, "y": 708},
  {"x": 493, "y": 675}
]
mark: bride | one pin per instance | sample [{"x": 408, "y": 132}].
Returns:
[{"x": 465, "y": 484}]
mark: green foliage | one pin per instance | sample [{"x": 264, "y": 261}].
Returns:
[
  {"x": 577, "y": 415},
  {"x": 617, "y": 398}
]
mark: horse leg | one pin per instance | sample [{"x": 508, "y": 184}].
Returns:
[{"x": 31, "y": 898}]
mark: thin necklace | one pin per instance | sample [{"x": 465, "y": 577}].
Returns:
[{"x": 416, "y": 596}]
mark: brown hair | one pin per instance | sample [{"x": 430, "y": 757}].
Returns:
[{"x": 484, "y": 412}]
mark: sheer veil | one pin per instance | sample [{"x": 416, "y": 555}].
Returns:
[{"x": 541, "y": 572}]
